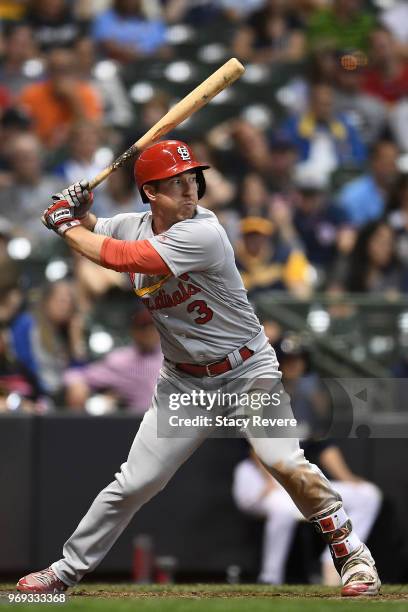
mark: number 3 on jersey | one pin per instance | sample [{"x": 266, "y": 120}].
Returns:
[{"x": 205, "y": 313}]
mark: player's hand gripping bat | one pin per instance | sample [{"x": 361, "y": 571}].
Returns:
[{"x": 78, "y": 195}]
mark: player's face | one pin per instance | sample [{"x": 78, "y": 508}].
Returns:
[{"x": 176, "y": 197}]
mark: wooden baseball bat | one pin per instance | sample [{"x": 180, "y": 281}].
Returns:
[{"x": 196, "y": 99}]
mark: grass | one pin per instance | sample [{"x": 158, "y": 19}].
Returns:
[{"x": 215, "y": 598}]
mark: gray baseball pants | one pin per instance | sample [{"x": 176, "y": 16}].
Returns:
[{"x": 153, "y": 460}]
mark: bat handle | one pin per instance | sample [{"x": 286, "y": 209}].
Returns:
[{"x": 120, "y": 161}]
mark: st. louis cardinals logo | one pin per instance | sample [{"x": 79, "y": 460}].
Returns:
[{"x": 184, "y": 153}]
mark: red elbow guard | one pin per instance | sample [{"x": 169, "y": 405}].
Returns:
[{"x": 132, "y": 256}]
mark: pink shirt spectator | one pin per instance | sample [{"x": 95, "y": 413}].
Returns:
[{"x": 127, "y": 372}]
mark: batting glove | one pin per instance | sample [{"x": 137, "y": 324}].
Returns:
[
  {"x": 78, "y": 196},
  {"x": 59, "y": 217}
]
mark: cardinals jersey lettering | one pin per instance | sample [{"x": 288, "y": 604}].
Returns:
[{"x": 201, "y": 308}]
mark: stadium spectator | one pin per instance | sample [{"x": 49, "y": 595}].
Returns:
[
  {"x": 29, "y": 190},
  {"x": 12, "y": 124},
  {"x": 237, "y": 10},
  {"x": 51, "y": 339},
  {"x": 198, "y": 13},
  {"x": 147, "y": 115},
  {"x": 398, "y": 121},
  {"x": 345, "y": 23},
  {"x": 271, "y": 35},
  {"x": 117, "y": 108},
  {"x": 12, "y": 10},
  {"x": 324, "y": 140},
  {"x": 123, "y": 32},
  {"x": 318, "y": 221},
  {"x": 61, "y": 100},
  {"x": 6, "y": 232},
  {"x": 119, "y": 196},
  {"x": 18, "y": 390},
  {"x": 92, "y": 283},
  {"x": 241, "y": 148},
  {"x": 19, "y": 48},
  {"x": 5, "y": 99},
  {"x": 80, "y": 160},
  {"x": 310, "y": 401},
  {"x": 363, "y": 198},
  {"x": 397, "y": 215},
  {"x": 283, "y": 157},
  {"x": 253, "y": 196},
  {"x": 374, "y": 265},
  {"x": 386, "y": 76},
  {"x": 273, "y": 330},
  {"x": 86, "y": 9},
  {"x": 267, "y": 261},
  {"x": 53, "y": 23},
  {"x": 320, "y": 67},
  {"x": 395, "y": 19},
  {"x": 366, "y": 113},
  {"x": 129, "y": 373}
]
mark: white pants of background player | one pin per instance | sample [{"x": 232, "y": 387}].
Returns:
[{"x": 361, "y": 500}]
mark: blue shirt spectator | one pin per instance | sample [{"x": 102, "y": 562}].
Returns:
[
  {"x": 47, "y": 342},
  {"x": 125, "y": 33},
  {"x": 318, "y": 222},
  {"x": 323, "y": 139},
  {"x": 363, "y": 199}
]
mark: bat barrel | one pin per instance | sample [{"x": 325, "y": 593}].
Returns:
[{"x": 227, "y": 74}]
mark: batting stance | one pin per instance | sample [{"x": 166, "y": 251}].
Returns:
[{"x": 182, "y": 265}]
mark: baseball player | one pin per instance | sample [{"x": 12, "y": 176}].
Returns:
[{"x": 182, "y": 265}]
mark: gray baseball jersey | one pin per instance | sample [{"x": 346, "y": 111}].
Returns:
[{"x": 201, "y": 309}]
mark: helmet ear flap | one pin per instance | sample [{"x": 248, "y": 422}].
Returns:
[{"x": 201, "y": 183}]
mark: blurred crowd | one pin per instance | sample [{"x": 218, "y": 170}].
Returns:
[{"x": 311, "y": 185}]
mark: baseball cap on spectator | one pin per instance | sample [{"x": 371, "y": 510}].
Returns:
[
  {"x": 292, "y": 346},
  {"x": 257, "y": 225}
]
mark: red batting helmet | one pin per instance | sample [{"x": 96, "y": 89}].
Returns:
[{"x": 165, "y": 159}]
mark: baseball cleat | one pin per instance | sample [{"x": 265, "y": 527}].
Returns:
[
  {"x": 44, "y": 581},
  {"x": 359, "y": 575}
]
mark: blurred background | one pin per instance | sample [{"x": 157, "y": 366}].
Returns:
[{"x": 309, "y": 176}]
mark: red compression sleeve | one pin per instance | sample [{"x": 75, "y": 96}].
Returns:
[{"x": 132, "y": 256}]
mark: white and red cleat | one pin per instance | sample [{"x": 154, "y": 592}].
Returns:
[
  {"x": 359, "y": 575},
  {"x": 45, "y": 581}
]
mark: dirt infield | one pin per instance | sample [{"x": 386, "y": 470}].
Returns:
[
  {"x": 398, "y": 593},
  {"x": 217, "y": 598},
  {"x": 219, "y": 591}
]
